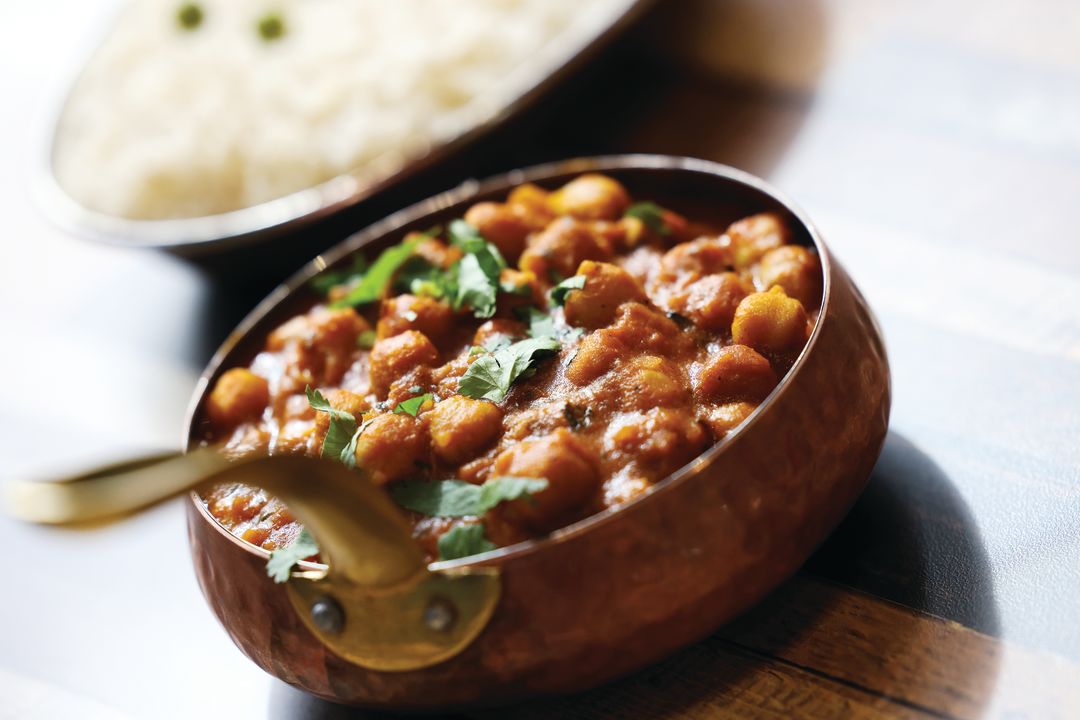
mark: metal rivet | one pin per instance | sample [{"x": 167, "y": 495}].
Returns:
[
  {"x": 327, "y": 615},
  {"x": 440, "y": 614}
]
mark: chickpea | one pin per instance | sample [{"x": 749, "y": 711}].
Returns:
[
  {"x": 566, "y": 463},
  {"x": 722, "y": 419},
  {"x": 664, "y": 439},
  {"x": 238, "y": 395},
  {"x": 432, "y": 317},
  {"x": 640, "y": 327},
  {"x": 591, "y": 197},
  {"x": 606, "y": 287},
  {"x": 394, "y": 356},
  {"x": 596, "y": 354},
  {"x": 651, "y": 381},
  {"x": 754, "y": 236},
  {"x": 322, "y": 329},
  {"x": 711, "y": 301},
  {"x": 797, "y": 270},
  {"x": 502, "y": 226},
  {"x": 435, "y": 251},
  {"x": 492, "y": 329},
  {"x": 531, "y": 203},
  {"x": 391, "y": 448},
  {"x": 770, "y": 322},
  {"x": 531, "y": 293},
  {"x": 558, "y": 250},
  {"x": 461, "y": 428},
  {"x": 689, "y": 261},
  {"x": 736, "y": 372}
]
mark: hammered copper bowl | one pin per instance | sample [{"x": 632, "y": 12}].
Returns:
[{"x": 623, "y": 588}]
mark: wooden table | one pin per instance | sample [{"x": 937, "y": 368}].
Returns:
[{"x": 937, "y": 145}]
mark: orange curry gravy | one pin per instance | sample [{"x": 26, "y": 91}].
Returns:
[{"x": 684, "y": 329}]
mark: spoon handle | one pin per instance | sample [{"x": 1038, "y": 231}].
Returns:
[{"x": 111, "y": 491}]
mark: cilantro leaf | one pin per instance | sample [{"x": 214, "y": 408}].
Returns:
[
  {"x": 325, "y": 281},
  {"x": 463, "y": 541},
  {"x": 412, "y": 405},
  {"x": 541, "y": 324},
  {"x": 559, "y": 292},
  {"x": 281, "y": 561},
  {"x": 375, "y": 281},
  {"x": 651, "y": 214},
  {"x": 489, "y": 377},
  {"x": 465, "y": 235},
  {"x": 475, "y": 288},
  {"x": 456, "y": 498},
  {"x": 341, "y": 436},
  {"x": 510, "y": 288},
  {"x": 366, "y": 339},
  {"x": 484, "y": 380}
]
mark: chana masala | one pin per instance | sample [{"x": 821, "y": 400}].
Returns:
[{"x": 532, "y": 363}]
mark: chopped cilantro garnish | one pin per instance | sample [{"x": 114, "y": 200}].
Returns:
[
  {"x": 340, "y": 441},
  {"x": 577, "y": 416},
  {"x": 282, "y": 560},
  {"x": 366, "y": 339},
  {"x": 271, "y": 26},
  {"x": 412, "y": 405},
  {"x": 375, "y": 281},
  {"x": 489, "y": 377},
  {"x": 541, "y": 324},
  {"x": 524, "y": 290},
  {"x": 651, "y": 214},
  {"x": 325, "y": 281},
  {"x": 475, "y": 287},
  {"x": 189, "y": 15},
  {"x": 456, "y": 498},
  {"x": 559, "y": 292},
  {"x": 465, "y": 235},
  {"x": 463, "y": 541}
]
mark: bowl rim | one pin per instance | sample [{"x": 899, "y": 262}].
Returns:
[
  {"x": 248, "y": 225},
  {"x": 506, "y": 181}
]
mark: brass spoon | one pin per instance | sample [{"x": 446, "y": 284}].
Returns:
[{"x": 377, "y": 604}]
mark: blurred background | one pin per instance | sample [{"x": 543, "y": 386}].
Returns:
[{"x": 936, "y": 145}]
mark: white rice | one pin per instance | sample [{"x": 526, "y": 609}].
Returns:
[{"x": 166, "y": 122}]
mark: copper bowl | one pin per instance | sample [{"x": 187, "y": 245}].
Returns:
[{"x": 623, "y": 588}]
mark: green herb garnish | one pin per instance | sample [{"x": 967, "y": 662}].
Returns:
[
  {"x": 412, "y": 405},
  {"x": 456, "y": 498},
  {"x": 366, "y": 339},
  {"x": 271, "y": 26},
  {"x": 559, "y": 292},
  {"x": 189, "y": 15},
  {"x": 282, "y": 560},
  {"x": 340, "y": 441},
  {"x": 373, "y": 284},
  {"x": 489, "y": 377},
  {"x": 330, "y": 279},
  {"x": 475, "y": 287},
  {"x": 463, "y": 541},
  {"x": 542, "y": 324},
  {"x": 651, "y": 214},
  {"x": 577, "y": 416},
  {"x": 465, "y": 235}
]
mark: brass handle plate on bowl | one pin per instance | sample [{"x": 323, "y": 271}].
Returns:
[{"x": 376, "y": 603}]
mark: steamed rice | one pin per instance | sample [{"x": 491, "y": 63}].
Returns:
[{"x": 167, "y": 122}]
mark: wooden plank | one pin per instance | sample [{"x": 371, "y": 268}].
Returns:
[
  {"x": 716, "y": 680},
  {"x": 910, "y": 657}
]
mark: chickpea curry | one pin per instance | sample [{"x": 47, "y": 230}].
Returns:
[{"x": 533, "y": 363}]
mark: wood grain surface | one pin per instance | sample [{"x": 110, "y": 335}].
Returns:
[{"x": 937, "y": 145}]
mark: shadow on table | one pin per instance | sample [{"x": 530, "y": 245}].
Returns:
[{"x": 912, "y": 539}]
